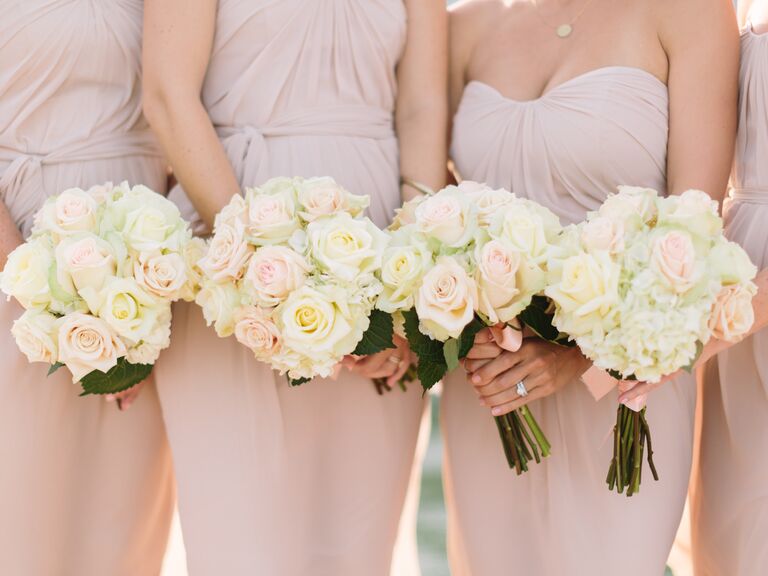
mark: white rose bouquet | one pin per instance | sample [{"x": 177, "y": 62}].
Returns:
[
  {"x": 97, "y": 278},
  {"x": 640, "y": 287},
  {"x": 466, "y": 258},
  {"x": 291, "y": 272}
]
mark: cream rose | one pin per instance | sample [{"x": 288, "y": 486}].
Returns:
[
  {"x": 732, "y": 314},
  {"x": 132, "y": 312},
  {"x": 194, "y": 250},
  {"x": 163, "y": 275},
  {"x": 730, "y": 263},
  {"x": 36, "y": 336},
  {"x": 406, "y": 214},
  {"x": 323, "y": 197},
  {"x": 446, "y": 300},
  {"x": 87, "y": 260},
  {"x": 674, "y": 258},
  {"x": 496, "y": 277},
  {"x": 148, "y": 350},
  {"x": 632, "y": 205},
  {"x": 487, "y": 201},
  {"x": 601, "y": 233},
  {"x": 273, "y": 273},
  {"x": 87, "y": 343},
  {"x": 528, "y": 228},
  {"x": 586, "y": 293},
  {"x": 272, "y": 217},
  {"x": 255, "y": 330},
  {"x": 219, "y": 302},
  {"x": 228, "y": 254},
  {"x": 27, "y": 271},
  {"x": 70, "y": 212},
  {"x": 316, "y": 322},
  {"x": 694, "y": 211},
  {"x": 346, "y": 247},
  {"x": 235, "y": 213},
  {"x": 401, "y": 270},
  {"x": 448, "y": 217}
]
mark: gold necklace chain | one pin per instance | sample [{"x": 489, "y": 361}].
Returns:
[{"x": 565, "y": 29}]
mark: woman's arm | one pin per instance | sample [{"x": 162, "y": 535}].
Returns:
[
  {"x": 701, "y": 41},
  {"x": 421, "y": 117},
  {"x": 178, "y": 37},
  {"x": 10, "y": 237}
]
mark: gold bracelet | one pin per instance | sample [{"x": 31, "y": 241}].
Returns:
[{"x": 416, "y": 186}]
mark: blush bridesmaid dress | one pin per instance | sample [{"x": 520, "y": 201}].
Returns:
[
  {"x": 567, "y": 150},
  {"x": 274, "y": 479},
  {"x": 85, "y": 490},
  {"x": 729, "y": 505}
]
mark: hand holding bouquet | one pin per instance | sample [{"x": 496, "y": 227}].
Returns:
[
  {"x": 641, "y": 286},
  {"x": 97, "y": 278},
  {"x": 291, "y": 272},
  {"x": 463, "y": 259}
]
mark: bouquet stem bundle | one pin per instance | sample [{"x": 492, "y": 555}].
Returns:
[
  {"x": 522, "y": 439},
  {"x": 630, "y": 435}
]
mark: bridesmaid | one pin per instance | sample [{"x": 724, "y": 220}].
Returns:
[
  {"x": 562, "y": 102},
  {"x": 84, "y": 489},
  {"x": 274, "y": 479}
]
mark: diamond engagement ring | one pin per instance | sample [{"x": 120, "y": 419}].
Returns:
[{"x": 522, "y": 391}]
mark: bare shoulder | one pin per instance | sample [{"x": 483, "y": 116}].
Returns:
[
  {"x": 695, "y": 20},
  {"x": 470, "y": 19}
]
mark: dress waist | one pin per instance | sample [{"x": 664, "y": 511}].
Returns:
[{"x": 752, "y": 195}]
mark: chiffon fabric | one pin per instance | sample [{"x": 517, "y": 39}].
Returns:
[
  {"x": 274, "y": 479},
  {"x": 730, "y": 497},
  {"x": 85, "y": 490},
  {"x": 567, "y": 150}
]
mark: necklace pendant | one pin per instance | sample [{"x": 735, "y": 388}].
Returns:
[{"x": 564, "y": 30}]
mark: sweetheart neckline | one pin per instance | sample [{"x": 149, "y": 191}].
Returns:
[{"x": 570, "y": 81}]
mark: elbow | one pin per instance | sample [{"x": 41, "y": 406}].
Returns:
[{"x": 156, "y": 103}]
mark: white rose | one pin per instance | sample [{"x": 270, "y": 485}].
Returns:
[
  {"x": 693, "y": 210},
  {"x": 272, "y": 217},
  {"x": 146, "y": 221},
  {"x": 346, "y": 247},
  {"x": 323, "y": 197},
  {"x": 406, "y": 214},
  {"x": 673, "y": 257},
  {"x": 632, "y": 205},
  {"x": 527, "y": 227},
  {"x": 273, "y": 273},
  {"x": 127, "y": 308},
  {"x": 601, "y": 233},
  {"x": 87, "y": 260},
  {"x": 586, "y": 293},
  {"x": 730, "y": 263},
  {"x": 148, "y": 350},
  {"x": 70, "y": 212},
  {"x": 219, "y": 302},
  {"x": 193, "y": 251},
  {"x": 486, "y": 200},
  {"x": 317, "y": 322},
  {"x": 36, "y": 334},
  {"x": 228, "y": 254},
  {"x": 163, "y": 275},
  {"x": 401, "y": 270},
  {"x": 732, "y": 314},
  {"x": 505, "y": 281},
  {"x": 255, "y": 329},
  {"x": 27, "y": 271},
  {"x": 87, "y": 343},
  {"x": 446, "y": 300},
  {"x": 235, "y": 213},
  {"x": 448, "y": 217}
]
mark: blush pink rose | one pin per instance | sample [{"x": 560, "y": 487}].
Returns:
[
  {"x": 732, "y": 314},
  {"x": 674, "y": 257},
  {"x": 274, "y": 272}
]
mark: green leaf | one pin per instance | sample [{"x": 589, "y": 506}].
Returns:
[
  {"x": 467, "y": 338},
  {"x": 699, "y": 350},
  {"x": 539, "y": 319},
  {"x": 451, "y": 354},
  {"x": 54, "y": 367},
  {"x": 432, "y": 364},
  {"x": 298, "y": 381},
  {"x": 378, "y": 337},
  {"x": 122, "y": 376}
]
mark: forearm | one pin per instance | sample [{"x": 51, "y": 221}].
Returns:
[
  {"x": 199, "y": 162},
  {"x": 423, "y": 145},
  {"x": 10, "y": 237}
]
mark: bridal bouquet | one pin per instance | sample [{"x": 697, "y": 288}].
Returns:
[
  {"x": 462, "y": 259},
  {"x": 97, "y": 278},
  {"x": 291, "y": 272},
  {"x": 641, "y": 286}
]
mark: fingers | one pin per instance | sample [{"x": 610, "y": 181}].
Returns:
[
  {"x": 513, "y": 405},
  {"x": 504, "y": 383},
  {"x": 126, "y": 398},
  {"x": 484, "y": 337},
  {"x": 484, "y": 351},
  {"x": 639, "y": 390},
  {"x": 482, "y": 375},
  {"x": 405, "y": 363}
]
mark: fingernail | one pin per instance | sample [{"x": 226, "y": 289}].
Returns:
[
  {"x": 109, "y": 398},
  {"x": 476, "y": 379},
  {"x": 496, "y": 411}
]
